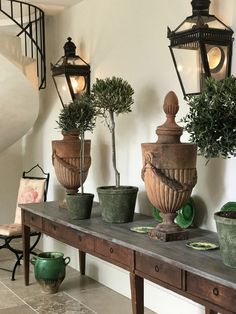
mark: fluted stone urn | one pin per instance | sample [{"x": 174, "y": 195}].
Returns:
[
  {"x": 66, "y": 161},
  {"x": 169, "y": 172}
]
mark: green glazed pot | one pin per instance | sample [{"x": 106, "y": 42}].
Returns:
[
  {"x": 50, "y": 270},
  {"x": 117, "y": 204},
  {"x": 79, "y": 205},
  {"x": 226, "y": 229}
]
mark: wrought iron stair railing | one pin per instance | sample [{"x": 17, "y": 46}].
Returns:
[{"x": 31, "y": 30}]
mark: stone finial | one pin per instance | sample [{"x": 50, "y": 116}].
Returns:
[{"x": 170, "y": 131}]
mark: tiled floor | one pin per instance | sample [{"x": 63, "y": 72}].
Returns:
[{"x": 77, "y": 294}]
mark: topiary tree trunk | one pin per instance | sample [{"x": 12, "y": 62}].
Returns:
[{"x": 113, "y": 138}]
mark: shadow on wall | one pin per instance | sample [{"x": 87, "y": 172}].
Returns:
[
  {"x": 58, "y": 192},
  {"x": 102, "y": 169},
  {"x": 201, "y": 211},
  {"x": 147, "y": 103},
  {"x": 215, "y": 173},
  {"x": 212, "y": 176},
  {"x": 143, "y": 203}
]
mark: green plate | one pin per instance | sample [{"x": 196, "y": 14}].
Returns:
[
  {"x": 141, "y": 229},
  {"x": 229, "y": 206},
  {"x": 202, "y": 246},
  {"x": 185, "y": 215}
]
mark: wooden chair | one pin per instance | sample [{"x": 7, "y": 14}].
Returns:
[{"x": 32, "y": 189}]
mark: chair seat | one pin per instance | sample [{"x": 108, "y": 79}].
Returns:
[{"x": 10, "y": 229}]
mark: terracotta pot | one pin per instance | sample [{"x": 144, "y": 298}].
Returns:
[
  {"x": 226, "y": 229},
  {"x": 169, "y": 172},
  {"x": 118, "y": 204},
  {"x": 79, "y": 205},
  {"x": 66, "y": 161}
]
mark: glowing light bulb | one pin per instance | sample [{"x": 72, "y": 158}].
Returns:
[
  {"x": 215, "y": 58},
  {"x": 78, "y": 84}
]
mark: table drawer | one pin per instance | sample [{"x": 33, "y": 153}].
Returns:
[
  {"x": 70, "y": 236},
  {"x": 211, "y": 291},
  {"x": 33, "y": 220},
  {"x": 114, "y": 252},
  {"x": 157, "y": 269}
]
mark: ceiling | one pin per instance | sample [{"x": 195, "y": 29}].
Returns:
[{"x": 51, "y": 7}]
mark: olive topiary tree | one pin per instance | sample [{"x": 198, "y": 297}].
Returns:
[
  {"x": 112, "y": 96},
  {"x": 211, "y": 120},
  {"x": 78, "y": 117}
]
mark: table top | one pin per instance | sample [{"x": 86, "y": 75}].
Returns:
[{"x": 207, "y": 264}]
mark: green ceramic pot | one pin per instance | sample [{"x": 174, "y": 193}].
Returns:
[
  {"x": 79, "y": 205},
  {"x": 50, "y": 270},
  {"x": 226, "y": 229},
  {"x": 117, "y": 204}
]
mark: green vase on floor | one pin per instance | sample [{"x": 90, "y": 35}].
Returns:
[{"x": 50, "y": 270}]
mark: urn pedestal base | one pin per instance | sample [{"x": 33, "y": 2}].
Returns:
[
  {"x": 168, "y": 236},
  {"x": 168, "y": 230}
]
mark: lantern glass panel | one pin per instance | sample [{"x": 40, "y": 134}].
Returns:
[
  {"x": 198, "y": 22},
  {"x": 189, "y": 68},
  {"x": 63, "y": 89}
]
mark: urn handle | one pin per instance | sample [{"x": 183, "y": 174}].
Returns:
[
  {"x": 33, "y": 260},
  {"x": 67, "y": 260}
]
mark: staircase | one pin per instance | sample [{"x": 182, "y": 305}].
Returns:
[{"x": 22, "y": 63}]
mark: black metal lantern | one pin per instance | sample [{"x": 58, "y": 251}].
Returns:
[
  {"x": 201, "y": 46},
  {"x": 71, "y": 75}
]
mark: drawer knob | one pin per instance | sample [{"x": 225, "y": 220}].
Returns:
[
  {"x": 80, "y": 238},
  {"x": 216, "y": 291},
  {"x": 32, "y": 218},
  {"x": 111, "y": 250},
  {"x": 54, "y": 228},
  {"x": 157, "y": 269}
]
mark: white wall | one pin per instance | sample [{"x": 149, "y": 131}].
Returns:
[{"x": 127, "y": 38}]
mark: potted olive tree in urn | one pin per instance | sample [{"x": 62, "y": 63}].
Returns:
[
  {"x": 114, "y": 96},
  {"x": 71, "y": 155},
  {"x": 169, "y": 172},
  {"x": 211, "y": 123}
]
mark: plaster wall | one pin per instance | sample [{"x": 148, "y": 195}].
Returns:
[{"x": 127, "y": 38}]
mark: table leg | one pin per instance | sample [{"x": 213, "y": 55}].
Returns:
[
  {"x": 26, "y": 250},
  {"x": 209, "y": 311},
  {"x": 136, "y": 284},
  {"x": 82, "y": 262}
]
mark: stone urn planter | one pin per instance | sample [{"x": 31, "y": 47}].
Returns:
[
  {"x": 169, "y": 172},
  {"x": 50, "y": 270},
  {"x": 226, "y": 230},
  {"x": 66, "y": 161}
]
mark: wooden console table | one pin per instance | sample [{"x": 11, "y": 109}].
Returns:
[{"x": 199, "y": 276}]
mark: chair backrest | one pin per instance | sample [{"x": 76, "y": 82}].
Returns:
[{"x": 32, "y": 189}]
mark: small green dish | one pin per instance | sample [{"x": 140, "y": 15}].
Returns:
[
  {"x": 185, "y": 215},
  {"x": 202, "y": 246},
  {"x": 141, "y": 229},
  {"x": 229, "y": 206}
]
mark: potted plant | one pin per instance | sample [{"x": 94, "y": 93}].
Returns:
[
  {"x": 211, "y": 122},
  {"x": 71, "y": 156},
  {"x": 211, "y": 119},
  {"x": 114, "y": 96}
]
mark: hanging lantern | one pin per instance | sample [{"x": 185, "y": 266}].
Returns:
[
  {"x": 201, "y": 47},
  {"x": 71, "y": 75}
]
